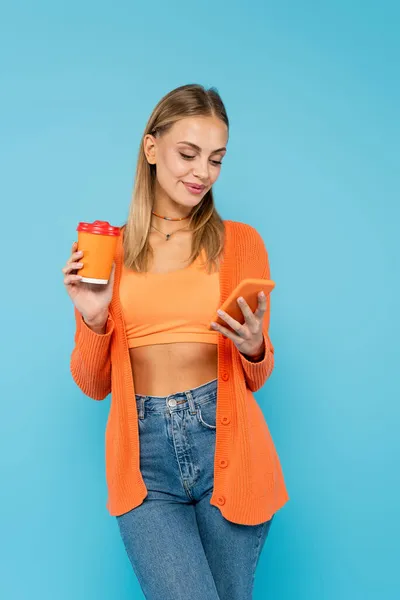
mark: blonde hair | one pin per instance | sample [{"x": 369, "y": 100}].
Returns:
[{"x": 205, "y": 222}]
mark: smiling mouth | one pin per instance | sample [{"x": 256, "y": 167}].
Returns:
[
  {"x": 194, "y": 188},
  {"x": 196, "y": 185}
]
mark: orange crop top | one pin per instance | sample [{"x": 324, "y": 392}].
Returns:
[{"x": 160, "y": 308}]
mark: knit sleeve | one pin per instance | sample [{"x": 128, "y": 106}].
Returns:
[
  {"x": 90, "y": 362},
  {"x": 257, "y": 373}
]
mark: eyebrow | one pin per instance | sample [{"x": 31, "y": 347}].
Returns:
[{"x": 198, "y": 147}]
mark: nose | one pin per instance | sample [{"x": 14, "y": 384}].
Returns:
[{"x": 201, "y": 170}]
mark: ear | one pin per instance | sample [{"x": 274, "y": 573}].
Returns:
[{"x": 150, "y": 148}]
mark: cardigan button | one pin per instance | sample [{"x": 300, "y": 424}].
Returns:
[
  {"x": 221, "y": 500},
  {"x": 223, "y": 463},
  {"x": 225, "y": 420},
  {"x": 225, "y": 376}
]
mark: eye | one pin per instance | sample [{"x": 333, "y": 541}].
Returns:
[{"x": 187, "y": 157}]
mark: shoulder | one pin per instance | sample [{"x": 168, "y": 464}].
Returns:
[
  {"x": 245, "y": 233},
  {"x": 246, "y": 245}
]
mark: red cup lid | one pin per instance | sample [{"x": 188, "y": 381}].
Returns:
[{"x": 99, "y": 227}]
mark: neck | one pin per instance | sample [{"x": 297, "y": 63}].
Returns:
[
  {"x": 171, "y": 212},
  {"x": 163, "y": 205},
  {"x": 176, "y": 220},
  {"x": 167, "y": 225},
  {"x": 161, "y": 225}
]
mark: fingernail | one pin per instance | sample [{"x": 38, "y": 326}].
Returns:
[
  {"x": 240, "y": 299},
  {"x": 220, "y": 312}
]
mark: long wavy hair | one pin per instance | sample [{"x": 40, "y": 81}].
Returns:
[{"x": 205, "y": 222}]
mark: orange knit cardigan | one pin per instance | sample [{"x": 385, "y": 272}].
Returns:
[{"x": 248, "y": 482}]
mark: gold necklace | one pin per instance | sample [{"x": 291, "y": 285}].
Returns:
[{"x": 168, "y": 235}]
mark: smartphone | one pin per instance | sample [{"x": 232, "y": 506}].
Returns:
[{"x": 248, "y": 289}]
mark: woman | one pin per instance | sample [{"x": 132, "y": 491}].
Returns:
[{"x": 193, "y": 476}]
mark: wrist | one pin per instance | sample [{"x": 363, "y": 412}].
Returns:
[
  {"x": 259, "y": 355},
  {"x": 99, "y": 324}
]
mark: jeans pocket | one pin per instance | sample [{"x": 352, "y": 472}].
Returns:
[{"x": 206, "y": 414}]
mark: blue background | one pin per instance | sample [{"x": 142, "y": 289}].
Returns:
[{"x": 312, "y": 92}]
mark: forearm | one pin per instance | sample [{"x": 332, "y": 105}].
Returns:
[
  {"x": 90, "y": 359},
  {"x": 258, "y": 368}
]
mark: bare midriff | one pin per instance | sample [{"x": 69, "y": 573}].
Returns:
[{"x": 164, "y": 369}]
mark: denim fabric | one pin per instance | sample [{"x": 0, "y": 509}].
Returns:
[{"x": 180, "y": 546}]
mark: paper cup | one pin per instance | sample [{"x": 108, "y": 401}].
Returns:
[{"x": 98, "y": 241}]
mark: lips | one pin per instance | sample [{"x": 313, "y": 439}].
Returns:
[{"x": 196, "y": 186}]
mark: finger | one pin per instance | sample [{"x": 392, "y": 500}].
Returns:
[
  {"x": 262, "y": 306},
  {"x": 75, "y": 255},
  {"x": 247, "y": 312},
  {"x": 72, "y": 279},
  {"x": 235, "y": 325},
  {"x": 73, "y": 258},
  {"x": 227, "y": 333},
  {"x": 72, "y": 266}
]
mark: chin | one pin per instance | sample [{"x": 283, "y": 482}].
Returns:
[{"x": 191, "y": 201}]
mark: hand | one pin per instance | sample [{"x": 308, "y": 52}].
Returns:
[
  {"x": 247, "y": 337},
  {"x": 91, "y": 299}
]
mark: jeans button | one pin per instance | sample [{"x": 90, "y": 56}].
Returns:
[{"x": 172, "y": 402}]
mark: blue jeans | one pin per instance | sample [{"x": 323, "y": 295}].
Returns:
[{"x": 180, "y": 546}]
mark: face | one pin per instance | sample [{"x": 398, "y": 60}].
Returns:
[{"x": 191, "y": 152}]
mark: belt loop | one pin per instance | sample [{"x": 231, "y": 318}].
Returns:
[
  {"x": 141, "y": 407},
  {"x": 191, "y": 402}
]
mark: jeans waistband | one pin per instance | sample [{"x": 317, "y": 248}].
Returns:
[{"x": 178, "y": 400}]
